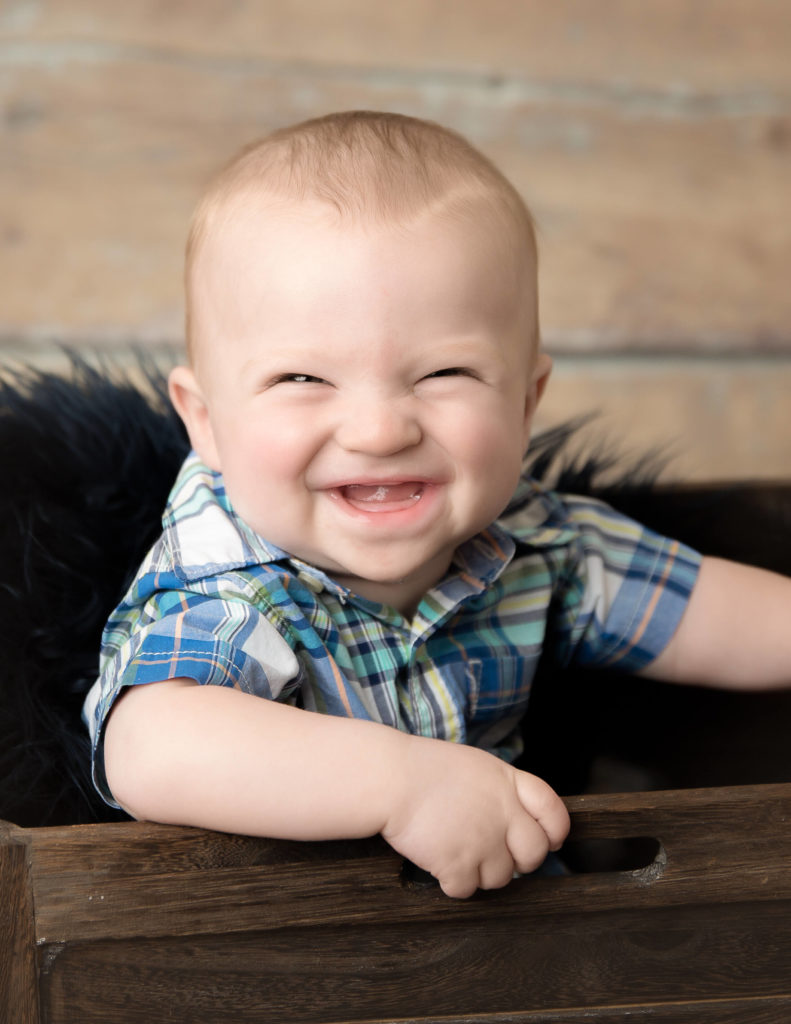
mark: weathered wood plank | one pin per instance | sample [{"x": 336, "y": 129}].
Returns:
[
  {"x": 713, "y": 419},
  {"x": 225, "y": 902},
  {"x": 18, "y": 978},
  {"x": 662, "y": 213},
  {"x": 701, "y": 853},
  {"x": 673, "y": 46},
  {"x": 382, "y": 970},
  {"x": 759, "y": 1010},
  {"x": 139, "y": 849}
]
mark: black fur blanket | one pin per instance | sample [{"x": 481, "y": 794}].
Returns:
[{"x": 86, "y": 463}]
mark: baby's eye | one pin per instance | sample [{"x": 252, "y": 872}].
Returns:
[
  {"x": 298, "y": 378},
  {"x": 451, "y": 371}
]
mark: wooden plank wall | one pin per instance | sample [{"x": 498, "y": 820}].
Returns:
[{"x": 652, "y": 139}]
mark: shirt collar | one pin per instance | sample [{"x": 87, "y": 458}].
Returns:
[{"x": 203, "y": 533}]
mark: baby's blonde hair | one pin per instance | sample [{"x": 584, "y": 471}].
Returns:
[{"x": 369, "y": 166}]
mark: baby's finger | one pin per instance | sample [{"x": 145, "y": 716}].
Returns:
[
  {"x": 459, "y": 884},
  {"x": 495, "y": 872},
  {"x": 528, "y": 843},
  {"x": 543, "y": 804}
]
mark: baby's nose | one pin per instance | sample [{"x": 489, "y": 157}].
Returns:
[{"x": 379, "y": 427}]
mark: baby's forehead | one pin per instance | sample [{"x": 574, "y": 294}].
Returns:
[
  {"x": 263, "y": 255},
  {"x": 438, "y": 278},
  {"x": 248, "y": 214}
]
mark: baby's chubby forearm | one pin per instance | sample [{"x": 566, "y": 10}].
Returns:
[{"x": 218, "y": 758}]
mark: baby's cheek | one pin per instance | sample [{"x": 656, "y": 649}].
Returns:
[
  {"x": 495, "y": 465},
  {"x": 491, "y": 442},
  {"x": 256, "y": 476},
  {"x": 273, "y": 451}
]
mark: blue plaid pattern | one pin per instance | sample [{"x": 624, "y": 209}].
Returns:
[{"x": 215, "y": 602}]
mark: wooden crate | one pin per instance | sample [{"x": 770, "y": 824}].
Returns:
[{"x": 138, "y": 922}]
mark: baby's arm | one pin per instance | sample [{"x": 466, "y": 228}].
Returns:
[
  {"x": 735, "y": 633},
  {"x": 219, "y": 758}
]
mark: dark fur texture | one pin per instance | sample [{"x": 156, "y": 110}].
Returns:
[{"x": 87, "y": 461}]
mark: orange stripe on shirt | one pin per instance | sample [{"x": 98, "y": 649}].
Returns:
[
  {"x": 341, "y": 685},
  {"x": 658, "y": 591},
  {"x": 172, "y": 672}
]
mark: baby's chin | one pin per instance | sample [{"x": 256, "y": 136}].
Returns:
[{"x": 397, "y": 589}]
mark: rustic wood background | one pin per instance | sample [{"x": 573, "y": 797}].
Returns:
[{"x": 652, "y": 139}]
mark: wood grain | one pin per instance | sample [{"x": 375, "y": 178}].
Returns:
[
  {"x": 75, "y": 899},
  {"x": 442, "y": 968},
  {"x": 654, "y": 143},
  {"x": 672, "y": 46},
  {"x": 136, "y": 921},
  {"x": 18, "y": 983},
  {"x": 712, "y": 418}
]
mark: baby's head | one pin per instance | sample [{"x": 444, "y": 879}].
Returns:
[
  {"x": 363, "y": 343},
  {"x": 367, "y": 168}
]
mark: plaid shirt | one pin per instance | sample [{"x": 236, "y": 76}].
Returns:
[{"x": 215, "y": 602}]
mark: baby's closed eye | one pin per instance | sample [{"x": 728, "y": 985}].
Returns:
[
  {"x": 452, "y": 371},
  {"x": 296, "y": 378}
]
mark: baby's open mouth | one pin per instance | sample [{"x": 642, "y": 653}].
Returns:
[{"x": 383, "y": 497}]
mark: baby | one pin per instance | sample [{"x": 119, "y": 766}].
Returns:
[{"x": 336, "y": 633}]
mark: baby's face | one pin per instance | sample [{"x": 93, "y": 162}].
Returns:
[{"x": 365, "y": 390}]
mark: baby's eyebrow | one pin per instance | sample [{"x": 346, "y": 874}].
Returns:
[{"x": 284, "y": 359}]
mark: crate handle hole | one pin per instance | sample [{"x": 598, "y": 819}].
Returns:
[{"x": 598, "y": 856}]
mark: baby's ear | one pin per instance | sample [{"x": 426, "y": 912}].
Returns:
[
  {"x": 187, "y": 397},
  {"x": 538, "y": 382}
]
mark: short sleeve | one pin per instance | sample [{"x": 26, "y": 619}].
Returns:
[
  {"x": 175, "y": 633},
  {"x": 622, "y": 589}
]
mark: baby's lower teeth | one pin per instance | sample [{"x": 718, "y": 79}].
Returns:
[{"x": 383, "y": 493}]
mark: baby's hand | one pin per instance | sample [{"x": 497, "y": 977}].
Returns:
[{"x": 470, "y": 819}]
